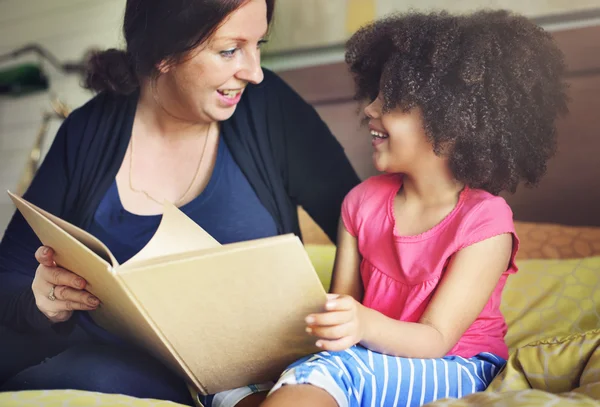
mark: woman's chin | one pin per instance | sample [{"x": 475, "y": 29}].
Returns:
[{"x": 220, "y": 114}]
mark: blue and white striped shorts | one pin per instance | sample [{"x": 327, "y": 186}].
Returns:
[{"x": 359, "y": 377}]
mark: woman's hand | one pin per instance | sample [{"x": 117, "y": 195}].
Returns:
[
  {"x": 59, "y": 292},
  {"x": 341, "y": 326}
]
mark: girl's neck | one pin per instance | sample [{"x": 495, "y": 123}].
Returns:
[
  {"x": 431, "y": 188},
  {"x": 154, "y": 120}
]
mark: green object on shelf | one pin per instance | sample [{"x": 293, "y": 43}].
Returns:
[{"x": 22, "y": 79}]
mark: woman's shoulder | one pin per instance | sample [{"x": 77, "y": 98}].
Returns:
[
  {"x": 99, "y": 119},
  {"x": 99, "y": 105}
]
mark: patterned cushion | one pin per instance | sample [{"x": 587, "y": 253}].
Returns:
[
  {"x": 538, "y": 240},
  {"x": 549, "y": 241}
]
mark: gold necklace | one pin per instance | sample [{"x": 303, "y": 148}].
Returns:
[{"x": 187, "y": 191}]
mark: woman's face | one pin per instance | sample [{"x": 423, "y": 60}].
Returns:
[{"x": 208, "y": 84}]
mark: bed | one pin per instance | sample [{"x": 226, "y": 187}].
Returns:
[{"x": 552, "y": 304}]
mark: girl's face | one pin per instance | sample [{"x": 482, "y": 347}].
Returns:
[
  {"x": 398, "y": 138},
  {"x": 208, "y": 85}
]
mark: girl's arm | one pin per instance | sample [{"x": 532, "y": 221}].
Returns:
[
  {"x": 466, "y": 287},
  {"x": 346, "y": 269}
]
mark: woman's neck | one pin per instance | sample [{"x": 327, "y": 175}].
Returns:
[{"x": 157, "y": 121}]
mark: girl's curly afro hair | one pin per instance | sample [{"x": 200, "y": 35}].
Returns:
[{"x": 490, "y": 86}]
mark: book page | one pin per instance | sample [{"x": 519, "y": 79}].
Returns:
[
  {"x": 176, "y": 233},
  {"x": 173, "y": 258},
  {"x": 40, "y": 220},
  {"x": 232, "y": 315}
]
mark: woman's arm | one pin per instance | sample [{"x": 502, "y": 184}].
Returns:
[{"x": 19, "y": 243}]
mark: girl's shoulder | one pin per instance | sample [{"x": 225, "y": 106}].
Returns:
[
  {"x": 374, "y": 189},
  {"x": 483, "y": 215},
  {"x": 478, "y": 202},
  {"x": 369, "y": 202}
]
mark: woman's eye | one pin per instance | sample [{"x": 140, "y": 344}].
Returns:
[
  {"x": 261, "y": 43},
  {"x": 228, "y": 53}
]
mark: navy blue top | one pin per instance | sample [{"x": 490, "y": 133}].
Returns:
[{"x": 228, "y": 209}]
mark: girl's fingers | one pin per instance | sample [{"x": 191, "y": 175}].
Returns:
[
  {"x": 336, "y": 345},
  {"x": 329, "y": 318},
  {"x": 340, "y": 303},
  {"x": 330, "y": 332}
]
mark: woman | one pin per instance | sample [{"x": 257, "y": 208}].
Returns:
[{"x": 186, "y": 115}]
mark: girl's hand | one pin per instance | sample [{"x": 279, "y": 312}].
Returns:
[
  {"x": 341, "y": 326},
  {"x": 59, "y": 292}
]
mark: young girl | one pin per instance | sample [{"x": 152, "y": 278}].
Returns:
[{"x": 461, "y": 108}]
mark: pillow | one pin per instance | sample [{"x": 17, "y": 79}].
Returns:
[
  {"x": 562, "y": 371},
  {"x": 558, "y": 365},
  {"x": 75, "y": 398},
  {"x": 545, "y": 298}
]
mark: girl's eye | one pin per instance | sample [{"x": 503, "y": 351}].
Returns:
[{"x": 228, "y": 53}]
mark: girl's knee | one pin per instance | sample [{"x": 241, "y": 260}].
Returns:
[{"x": 300, "y": 395}]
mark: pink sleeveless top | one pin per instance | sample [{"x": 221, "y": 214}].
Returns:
[{"x": 400, "y": 273}]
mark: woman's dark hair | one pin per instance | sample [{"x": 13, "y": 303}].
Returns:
[
  {"x": 156, "y": 31},
  {"x": 490, "y": 86}
]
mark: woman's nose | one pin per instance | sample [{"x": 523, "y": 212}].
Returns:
[{"x": 252, "y": 71}]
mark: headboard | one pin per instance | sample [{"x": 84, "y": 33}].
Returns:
[{"x": 569, "y": 194}]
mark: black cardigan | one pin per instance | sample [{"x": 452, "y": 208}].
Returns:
[{"x": 282, "y": 146}]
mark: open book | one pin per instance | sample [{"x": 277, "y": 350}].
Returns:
[{"x": 222, "y": 316}]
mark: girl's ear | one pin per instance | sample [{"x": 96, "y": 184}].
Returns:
[{"x": 445, "y": 149}]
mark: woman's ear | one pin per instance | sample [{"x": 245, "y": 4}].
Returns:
[{"x": 164, "y": 66}]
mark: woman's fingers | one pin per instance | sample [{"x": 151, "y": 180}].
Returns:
[
  {"x": 45, "y": 256},
  {"x": 66, "y": 300},
  {"x": 59, "y": 292},
  {"x": 69, "y": 294},
  {"x": 59, "y": 276}
]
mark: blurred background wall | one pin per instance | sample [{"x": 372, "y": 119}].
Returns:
[{"x": 305, "y": 33}]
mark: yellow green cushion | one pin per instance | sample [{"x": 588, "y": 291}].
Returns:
[
  {"x": 74, "y": 398},
  {"x": 546, "y": 298},
  {"x": 563, "y": 371}
]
